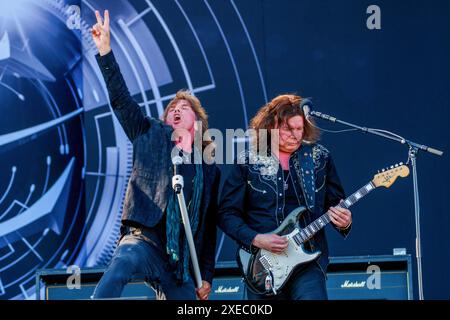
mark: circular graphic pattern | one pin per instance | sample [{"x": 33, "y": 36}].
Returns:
[
  {"x": 42, "y": 147},
  {"x": 70, "y": 169}
]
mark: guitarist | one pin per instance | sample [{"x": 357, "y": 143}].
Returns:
[{"x": 260, "y": 190}]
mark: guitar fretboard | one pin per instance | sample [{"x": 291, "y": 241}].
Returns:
[{"x": 310, "y": 230}]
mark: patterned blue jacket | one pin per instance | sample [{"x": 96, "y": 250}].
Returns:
[{"x": 252, "y": 197}]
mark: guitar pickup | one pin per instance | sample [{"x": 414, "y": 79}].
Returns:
[
  {"x": 293, "y": 236},
  {"x": 265, "y": 262}
]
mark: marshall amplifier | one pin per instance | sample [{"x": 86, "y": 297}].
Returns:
[
  {"x": 348, "y": 278},
  {"x": 51, "y": 284},
  {"x": 370, "y": 277},
  {"x": 228, "y": 283},
  {"x": 59, "y": 284}
]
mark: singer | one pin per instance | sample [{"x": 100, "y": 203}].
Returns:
[
  {"x": 152, "y": 241},
  {"x": 260, "y": 191}
]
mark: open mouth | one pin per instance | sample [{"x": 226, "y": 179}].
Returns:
[{"x": 176, "y": 118}]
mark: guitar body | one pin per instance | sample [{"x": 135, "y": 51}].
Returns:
[{"x": 267, "y": 273}]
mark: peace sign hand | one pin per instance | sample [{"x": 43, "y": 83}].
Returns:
[{"x": 101, "y": 33}]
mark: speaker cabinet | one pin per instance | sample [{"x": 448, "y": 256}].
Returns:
[
  {"x": 57, "y": 284},
  {"x": 348, "y": 278},
  {"x": 370, "y": 277}
]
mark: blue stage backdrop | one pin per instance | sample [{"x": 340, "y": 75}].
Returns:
[{"x": 65, "y": 161}]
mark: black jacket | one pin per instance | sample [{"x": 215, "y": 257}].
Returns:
[
  {"x": 252, "y": 197},
  {"x": 150, "y": 183}
]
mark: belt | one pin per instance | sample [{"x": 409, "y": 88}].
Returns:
[{"x": 143, "y": 233}]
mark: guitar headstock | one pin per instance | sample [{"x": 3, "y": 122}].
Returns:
[{"x": 387, "y": 176}]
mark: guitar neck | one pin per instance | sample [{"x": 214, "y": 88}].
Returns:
[{"x": 310, "y": 230}]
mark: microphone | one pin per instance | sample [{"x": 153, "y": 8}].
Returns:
[
  {"x": 177, "y": 179},
  {"x": 176, "y": 161},
  {"x": 306, "y": 106}
]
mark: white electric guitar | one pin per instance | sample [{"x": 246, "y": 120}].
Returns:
[{"x": 266, "y": 273}]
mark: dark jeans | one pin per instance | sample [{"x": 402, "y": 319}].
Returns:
[
  {"x": 135, "y": 256},
  {"x": 308, "y": 284}
]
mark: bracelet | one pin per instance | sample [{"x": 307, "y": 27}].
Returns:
[{"x": 343, "y": 229}]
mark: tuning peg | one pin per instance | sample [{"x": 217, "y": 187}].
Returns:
[
  {"x": 392, "y": 167},
  {"x": 396, "y": 165},
  {"x": 382, "y": 170},
  {"x": 401, "y": 163}
]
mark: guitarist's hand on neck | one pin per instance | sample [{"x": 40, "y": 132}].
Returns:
[
  {"x": 270, "y": 242},
  {"x": 341, "y": 218}
]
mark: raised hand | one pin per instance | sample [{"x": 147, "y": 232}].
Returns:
[{"x": 101, "y": 33}]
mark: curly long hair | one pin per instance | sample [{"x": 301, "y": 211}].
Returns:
[{"x": 276, "y": 112}]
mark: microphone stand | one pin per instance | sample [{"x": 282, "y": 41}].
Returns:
[
  {"x": 177, "y": 185},
  {"x": 412, "y": 155}
]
